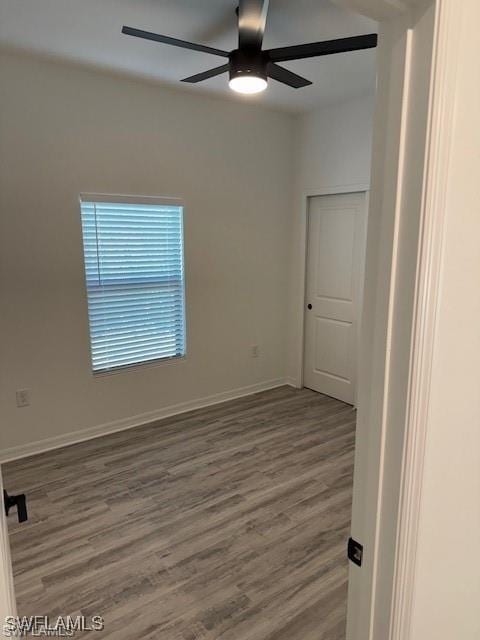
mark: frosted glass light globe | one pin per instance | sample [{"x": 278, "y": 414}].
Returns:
[{"x": 248, "y": 84}]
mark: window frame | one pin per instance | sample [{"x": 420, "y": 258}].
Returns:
[{"x": 131, "y": 199}]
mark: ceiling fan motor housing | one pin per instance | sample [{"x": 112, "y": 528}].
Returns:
[{"x": 248, "y": 62}]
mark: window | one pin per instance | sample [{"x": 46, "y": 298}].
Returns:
[{"x": 135, "y": 279}]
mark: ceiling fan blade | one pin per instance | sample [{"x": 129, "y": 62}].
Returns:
[
  {"x": 252, "y": 17},
  {"x": 156, "y": 37},
  {"x": 205, "y": 75},
  {"x": 326, "y": 48},
  {"x": 287, "y": 77}
]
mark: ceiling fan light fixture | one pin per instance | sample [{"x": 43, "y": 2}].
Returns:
[
  {"x": 248, "y": 71},
  {"x": 247, "y": 83}
]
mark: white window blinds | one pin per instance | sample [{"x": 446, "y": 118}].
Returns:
[{"x": 135, "y": 281}]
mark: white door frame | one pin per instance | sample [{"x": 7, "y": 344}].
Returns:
[
  {"x": 440, "y": 127},
  {"x": 8, "y": 605},
  {"x": 333, "y": 190},
  {"x": 381, "y": 599}
]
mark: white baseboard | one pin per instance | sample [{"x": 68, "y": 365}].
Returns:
[
  {"x": 40, "y": 446},
  {"x": 292, "y": 382}
]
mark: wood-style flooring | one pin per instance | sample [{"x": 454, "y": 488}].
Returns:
[{"x": 227, "y": 523}]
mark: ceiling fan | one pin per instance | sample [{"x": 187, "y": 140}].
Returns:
[{"x": 249, "y": 66}]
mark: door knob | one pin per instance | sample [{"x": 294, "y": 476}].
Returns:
[{"x": 309, "y": 306}]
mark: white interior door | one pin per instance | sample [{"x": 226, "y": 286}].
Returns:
[{"x": 335, "y": 266}]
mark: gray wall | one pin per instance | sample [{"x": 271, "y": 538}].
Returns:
[
  {"x": 67, "y": 130},
  {"x": 243, "y": 171}
]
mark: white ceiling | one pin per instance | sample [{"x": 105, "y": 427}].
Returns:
[{"x": 89, "y": 31}]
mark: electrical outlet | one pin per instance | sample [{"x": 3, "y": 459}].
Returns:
[
  {"x": 255, "y": 350},
  {"x": 23, "y": 398}
]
